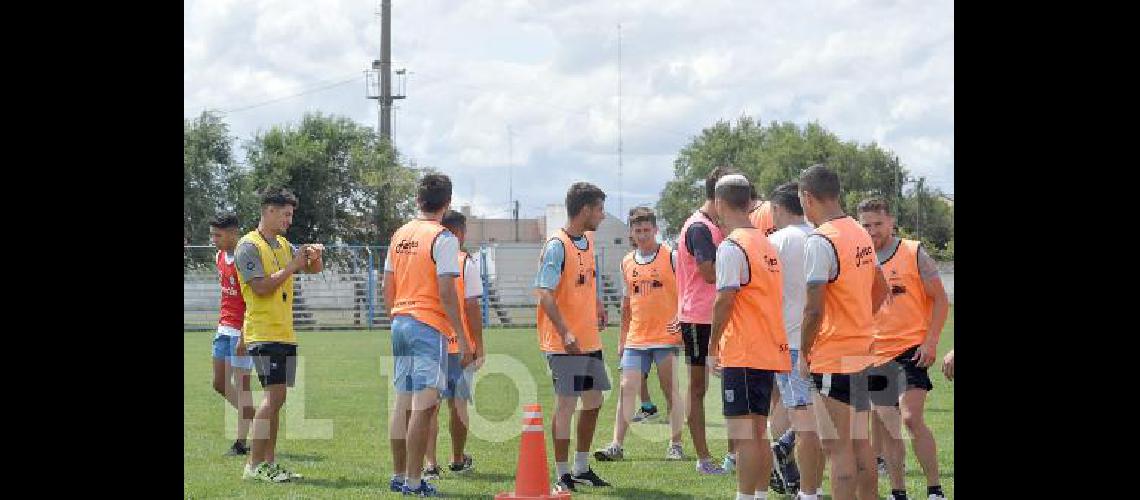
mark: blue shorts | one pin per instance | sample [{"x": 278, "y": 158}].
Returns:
[
  {"x": 458, "y": 380},
  {"x": 420, "y": 354},
  {"x": 643, "y": 359},
  {"x": 794, "y": 389},
  {"x": 225, "y": 348}
]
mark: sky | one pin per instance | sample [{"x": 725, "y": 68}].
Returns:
[{"x": 523, "y": 96}]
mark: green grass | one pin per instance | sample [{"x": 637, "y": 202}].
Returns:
[{"x": 343, "y": 384}]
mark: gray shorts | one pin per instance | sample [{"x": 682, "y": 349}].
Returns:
[{"x": 575, "y": 373}]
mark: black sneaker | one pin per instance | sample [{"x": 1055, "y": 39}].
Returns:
[
  {"x": 432, "y": 473},
  {"x": 565, "y": 483},
  {"x": 460, "y": 467},
  {"x": 237, "y": 449},
  {"x": 775, "y": 483},
  {"x": 786, "y": 468},
  {"x": 589, "y": 478}
]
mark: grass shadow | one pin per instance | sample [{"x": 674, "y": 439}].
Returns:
[
  {"x": 302, "y": 457},
  {"x": 919, "y": 473},
  {"x": 343, "y": 482}
]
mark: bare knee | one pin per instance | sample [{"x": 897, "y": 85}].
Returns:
[{"x": 914, "y": 423}]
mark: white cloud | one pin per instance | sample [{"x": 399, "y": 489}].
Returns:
[{"x": 880, "y": 71}]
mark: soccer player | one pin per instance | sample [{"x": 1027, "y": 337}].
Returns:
[
  {"x": 747, "y": 345},
  {"x": 650, "y": 303},
  {"x": 570, "y": 315},
  {"x": 266, "y": 263},
  {"x": 760, "y": 214},
  {"x": 696, "y": 275},
  {"x": 231, "y": 362},
  {"x": 458, "y": 391},
  {"x": 907, "y": 328},
  {"x": 795, "y": 390},
  {"x": 844, "y": 289},
  {"x": 420, "y": 290}
]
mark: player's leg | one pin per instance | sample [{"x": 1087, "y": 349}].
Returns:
[
  {"x": 398, "y": 437},
  {"x": 431, "y": 462},
  {"x": 666, "y": 364},
  {"x": 922, "y": 439},
  {"x": 594, "y": 381},
  {"x": 457, "y": 410},
  {"x": 240, "y": 366},
  {"x": 885, "y": 383},
  {"x": 833, "y": 420}
]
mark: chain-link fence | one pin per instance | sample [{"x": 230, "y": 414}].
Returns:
[{"x": 347, "y": 295}]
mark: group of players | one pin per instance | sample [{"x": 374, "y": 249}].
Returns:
[{"x": 834, "y": 321}]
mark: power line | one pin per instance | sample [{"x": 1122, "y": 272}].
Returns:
[{"x": 271, "y": 101}]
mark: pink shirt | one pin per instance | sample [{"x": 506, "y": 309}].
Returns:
[{"x": 694, "y": 295}]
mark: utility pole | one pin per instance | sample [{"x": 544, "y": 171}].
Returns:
[
  {"x": 516, "y": 212},
  {"x": 384, "y": 67},
  {"x": 621, "y": 196}
]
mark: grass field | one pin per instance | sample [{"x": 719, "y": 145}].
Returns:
[{"x": 343, "y": 394}]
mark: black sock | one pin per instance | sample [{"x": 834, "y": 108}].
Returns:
[
  {"x": 788, "y": 440},
  {"x": 935, "y": 490},
  {"x": 898, "y": 494}
]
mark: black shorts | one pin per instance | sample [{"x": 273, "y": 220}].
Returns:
[
  {"x": 276, "y": 363},
  {"x": 746, "y": 391},
  {"x": 574, "y": 374},
  {"x": 901, "y": 374},
  {"x": 847, "y": 388},
  {"x": 696, "y": 338}
]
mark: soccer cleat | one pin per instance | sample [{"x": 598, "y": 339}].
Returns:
[
  {"x": 611, "y": 453},
  {"x": 432, "y": 473},
  {"x": 786, "y": 469},
  {"x": 589, "y": 478},
  {"x": 281, "y": 470},
  {"x": 466, "y": 465},
  {"x": 565, "y": 483},
  {"x": 776, "y": 484},
  {"x": 425, "y": 489},
  {"x": 396, "y": 484},
  {"x": 707, "y": 467},
  {"x": 935, "y": 496},
  {"x": 237, "y": 449},
  {"x": 644, "y": 415},
  {"x": 266, "y": 472},
  {"x": 729, "y": 464},
  {"x": 675, "y": 452}
]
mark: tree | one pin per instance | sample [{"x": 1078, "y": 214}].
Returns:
[
  {"x": 777, "y": 153},
  {"x": 349, "y": 183},
  {"x": 207, "y": 164}
]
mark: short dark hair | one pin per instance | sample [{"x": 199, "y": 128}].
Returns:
[
  {"x": 225, "y": 220},
  {"x": 787, "y": 196},
  {"x": 278, "y": 197},
  {"x": 874, "y": 204},
  {"x": 642, "y": 214},
  {"x": 821, "y": 182},
  {"x": 454, "y": 221},
  {"x": 753, "y": 192},
  {"x": 434, "y": 192},
  {"x": 581, "y": 194},
  {"x": 716, "y": 174},
  {"x": 735, "y": 195}
]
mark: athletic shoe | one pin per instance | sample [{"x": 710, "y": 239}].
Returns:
[
  {"x": 565, "y": 483},
  {"x": 674, "y": 452},
  {"x": 707, "y": 467},
  {"x": 265, "y": 472},
  {"x": 786, "y": 468},
  {"x": 466, "y": 465},
  {"x": 644, "y": 415},
  {"x": 396, "y": 485},
  {"x": 776, "y": 484},
  {"x": 935, "y": 496},
  {"x": 729, "y": 464},
  {"x": 882, "y": 465},
  {"x": 432, "y": 473},
  {"x": 589, "y": 478},
  {"x": 611, "y": 453},
  {"x": 425, "y": 489},
  {"x": 281, "y": 470},
  {"x": 237, "y": 449}
]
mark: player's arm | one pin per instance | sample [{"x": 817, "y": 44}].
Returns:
[
  {"x": 626, "y": 311},
  {"x": 389, "y": 290},
  {"x": 248, "y": 262},
  {"x": 880, "y": 289},
  {"x": 813, "y": 317},
  {"x": 549, "y": 274},
  {"x": 818, "y": 266},
  {"x": 932, "y": 285},
  {"x": 699, "y": 243},
  {"x": 448, "y": 296},
  {"x": 729, "y": 273},
  {"x": 445, "y": 251},
  {"x": 474, "y": 313}
]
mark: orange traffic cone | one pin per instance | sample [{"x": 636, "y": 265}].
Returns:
[{"x": 532, "y": 479}]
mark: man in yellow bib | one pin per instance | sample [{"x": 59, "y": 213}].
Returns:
[{"x": 266, "y": 263}]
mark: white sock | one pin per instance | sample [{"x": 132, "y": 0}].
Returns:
[
  {"x": 762, "y": 495},
  {"x": 580, "y": 462},
  {"x": 732, "y": 456},
  {"x": 398, "y": 477},
  {"x": 804, "y": 496},
  {"x": 743, "y": 496},
  {"x": 819, "y": 491},
  {"x": 562, "y": 468}
]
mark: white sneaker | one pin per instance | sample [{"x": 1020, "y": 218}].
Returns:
[
  {"x": 675, "y": 452},
  {"x": 935, "y": 497}
]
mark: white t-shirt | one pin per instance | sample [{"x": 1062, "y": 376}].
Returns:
[
  {"x": 731, "y": 266},
  {"x": 789, "y": 243},
  {"x": 472, "y": 281}
]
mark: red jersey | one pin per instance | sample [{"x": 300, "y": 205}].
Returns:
[{"x": 233, "y": 306}]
